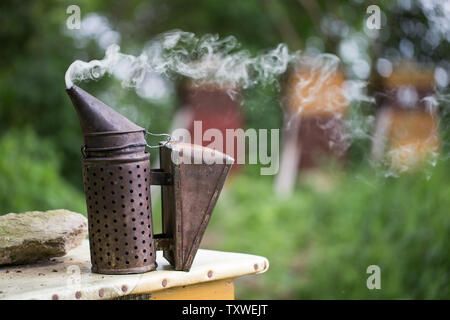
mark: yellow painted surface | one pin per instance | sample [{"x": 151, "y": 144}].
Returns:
[{"x": 214, "y": 290}]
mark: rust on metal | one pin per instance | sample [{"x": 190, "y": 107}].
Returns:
[
  {"x": 163, "y": 242},
  {"x": 117, "y": 179},
  {"x": 187, "y": 204},
  {"x": 116, "y": 172},
  {"x": 160, "y": 178}
]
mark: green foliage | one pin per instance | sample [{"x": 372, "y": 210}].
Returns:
[
  {"x": 261, "y": 107},
  {"x": 320, "y": 243},
  {"x": 30, "y": 176}
]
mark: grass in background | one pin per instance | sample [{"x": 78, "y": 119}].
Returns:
[{"x": 321, "y": 239}]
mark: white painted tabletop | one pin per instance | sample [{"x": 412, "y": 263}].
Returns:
[{"x": 70, "y": 277}]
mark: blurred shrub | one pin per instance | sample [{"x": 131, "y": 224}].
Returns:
[
  {"x": 30, "y": 176},
  {"x": 320, "y": 240}
]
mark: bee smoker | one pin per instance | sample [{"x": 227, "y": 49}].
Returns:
[{"x": 117, "y": 179}]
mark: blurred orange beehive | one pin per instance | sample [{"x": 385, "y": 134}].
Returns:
[
  {"x": 410, "y": 126},
  {"x": 314, "y": 96}
]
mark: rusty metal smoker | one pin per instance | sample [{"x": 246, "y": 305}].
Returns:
[{"x": 117, "y": 179}]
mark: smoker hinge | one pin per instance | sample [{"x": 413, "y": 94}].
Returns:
[
  {"x": 163, "y": 242},
  {"x": 158, "y": 177}
]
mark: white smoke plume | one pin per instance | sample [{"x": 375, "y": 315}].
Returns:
[
  {"x": 211, "y": 59},
  {"x": 177, "y": 53}
]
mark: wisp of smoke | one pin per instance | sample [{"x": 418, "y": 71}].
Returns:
[
  {"x": 178, "y": 53},
  {"x": 210, "y": 59}
]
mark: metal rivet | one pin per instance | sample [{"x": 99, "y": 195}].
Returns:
[
  {"x": 78, "y": 294},
  {"x": 55, "y": 297},
  {"x": 101, "y": 293},
  {"x": 124, "y": 288},
  {"x": 210, "y": 274},
  {"x": 164, "y": 283},
  {"x": 255, "y": 266}
]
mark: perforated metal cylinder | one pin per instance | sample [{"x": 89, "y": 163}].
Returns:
[{"x": 119, "y": 215}]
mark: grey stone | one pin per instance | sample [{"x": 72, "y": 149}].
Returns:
[{"x": 35, "y": 235}]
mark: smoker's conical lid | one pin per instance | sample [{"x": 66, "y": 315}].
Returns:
[{"x": 97, "y": 117}]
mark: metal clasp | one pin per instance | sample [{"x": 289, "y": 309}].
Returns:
[
  {"x": 83, "y": 150},
  {"x": 169, "y": 138}
]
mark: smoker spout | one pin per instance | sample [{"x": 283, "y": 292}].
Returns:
[
  {"x": 103, "y": 128},
  {"x": 97, "y": 117}
]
